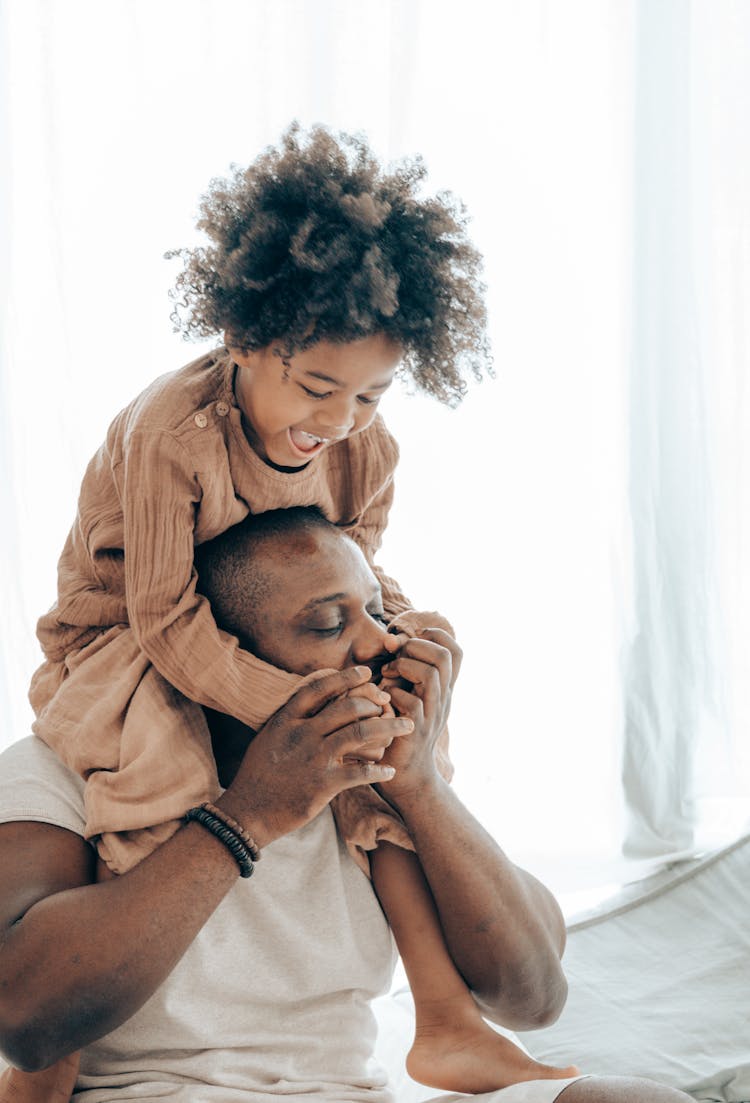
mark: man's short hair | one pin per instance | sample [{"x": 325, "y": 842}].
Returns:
[{"x": 233, "y": 571}]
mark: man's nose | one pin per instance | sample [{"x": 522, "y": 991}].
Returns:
[{"x": 369, "y": 648}]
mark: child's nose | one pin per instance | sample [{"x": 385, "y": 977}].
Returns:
[{"x": 338, "y": 418}]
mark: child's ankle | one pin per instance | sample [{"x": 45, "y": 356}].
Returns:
[{"x": 445, "y": 1014}]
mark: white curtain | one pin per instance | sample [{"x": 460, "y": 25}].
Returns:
[
  {"x": 685, "y": 665},
  {"x": 582, "y": 519}
]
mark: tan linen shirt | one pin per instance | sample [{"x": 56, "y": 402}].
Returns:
[
  {"x": 176, "y": 470},
  {"x": 131, "y": 648}
]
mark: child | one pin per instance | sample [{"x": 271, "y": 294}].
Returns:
[{"x": 325, "y": 276}]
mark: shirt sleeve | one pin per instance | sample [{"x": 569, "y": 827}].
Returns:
[
  {"x": 174, "y": 624},
  {"x": 36, "y": 785},
  {"x": 368, "y": 533}
]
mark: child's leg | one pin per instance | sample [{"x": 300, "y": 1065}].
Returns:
[{"x": 454, "y": 1048}]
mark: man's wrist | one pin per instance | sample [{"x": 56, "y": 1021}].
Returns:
[
  {"x": 410, "y": 798},
  {"x": 254, "y": 823}
]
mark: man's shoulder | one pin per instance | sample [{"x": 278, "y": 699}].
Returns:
[{"x": 36, "y": 785}]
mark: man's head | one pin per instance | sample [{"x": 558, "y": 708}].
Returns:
[{"x": 295, "y": 590}]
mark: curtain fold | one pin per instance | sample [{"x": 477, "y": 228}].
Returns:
[
  {"x": 667, "y": 665},
  {"x": 677, "y": 665}
]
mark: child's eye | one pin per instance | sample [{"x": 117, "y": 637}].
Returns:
[
  {"x": 315, "y": 394},
  {"x": 365, "y": 401},
  {"x": 381, "y": 617}
]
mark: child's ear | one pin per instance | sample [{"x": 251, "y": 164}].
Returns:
[{"x": 238, "y": 354}]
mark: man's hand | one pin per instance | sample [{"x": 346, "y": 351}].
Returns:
[
  {"x": 321, "y": 742},
  {"x": 420, "y": 682}
]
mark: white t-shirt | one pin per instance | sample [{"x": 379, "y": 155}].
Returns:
[{"x": 271, "y": 1000}]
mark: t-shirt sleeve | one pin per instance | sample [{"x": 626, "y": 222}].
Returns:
[
  {"x": 368, "y": 533},
  {"x": 36, "y": 785},
  {"x": 174, "y": 625}
]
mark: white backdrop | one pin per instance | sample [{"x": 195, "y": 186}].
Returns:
[{"x": 583, "y": 518}]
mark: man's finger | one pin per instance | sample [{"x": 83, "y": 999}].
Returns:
[
  {"x": 311, "y": 698},
  {"x": 365, "y": 773},
  {"x": 340, "y": 713},
  {"x": 408, "y": 704},
  {"x": 371, "y": 733},
  {"x": 444, "y": 639}
]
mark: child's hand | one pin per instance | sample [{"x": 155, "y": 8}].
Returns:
[
  {"x": 395, "y": 639},
  {"x": 369, "y": 690},
  {"x": 393, "y": 643},
  {"x": 378, "y": 696},
  {"x": 413, "y": 622}
]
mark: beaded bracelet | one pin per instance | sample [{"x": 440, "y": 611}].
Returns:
[
  {"x": 233, "y": 825},
  {"x": 226, "y": 835}
]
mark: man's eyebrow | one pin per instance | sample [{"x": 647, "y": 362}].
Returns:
[
  {"x": 337, "y": 382},
  {"x": 316, "y": 601}
]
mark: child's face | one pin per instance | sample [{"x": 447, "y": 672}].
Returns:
[
  {"x": 323, "y": 609},
  {"x": 294, "y": 410}
]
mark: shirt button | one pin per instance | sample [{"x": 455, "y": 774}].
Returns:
[
  {"x": 201, "y": 421},
  {"x": 222, "y": 409}
]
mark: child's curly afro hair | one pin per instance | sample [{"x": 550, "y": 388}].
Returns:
[{"x": 314, "y": 241}]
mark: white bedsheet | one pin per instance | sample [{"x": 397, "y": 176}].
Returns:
[{"x": 660, "y": 986}]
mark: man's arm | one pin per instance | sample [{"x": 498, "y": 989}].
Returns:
[
  {"x": 78, "y": 959},
  {"x": 504, "y": 929}
]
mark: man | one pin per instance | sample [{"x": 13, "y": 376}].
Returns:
[{"x": 180, "y": 980}]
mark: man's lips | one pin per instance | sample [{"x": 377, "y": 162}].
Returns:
[{"x": 376, "y": 665}]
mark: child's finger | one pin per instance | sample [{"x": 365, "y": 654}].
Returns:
[
  {"x": 372, "y": 692},
  {"x": 417, "y": 655}
]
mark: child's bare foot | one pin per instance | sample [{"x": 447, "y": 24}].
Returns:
[{"x": 471, "y": 1057}]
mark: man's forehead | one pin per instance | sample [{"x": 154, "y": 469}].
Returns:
[{"x": 324, "y": 567}]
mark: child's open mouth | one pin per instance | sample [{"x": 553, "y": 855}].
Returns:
[{"x": 306, "y": 444}]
